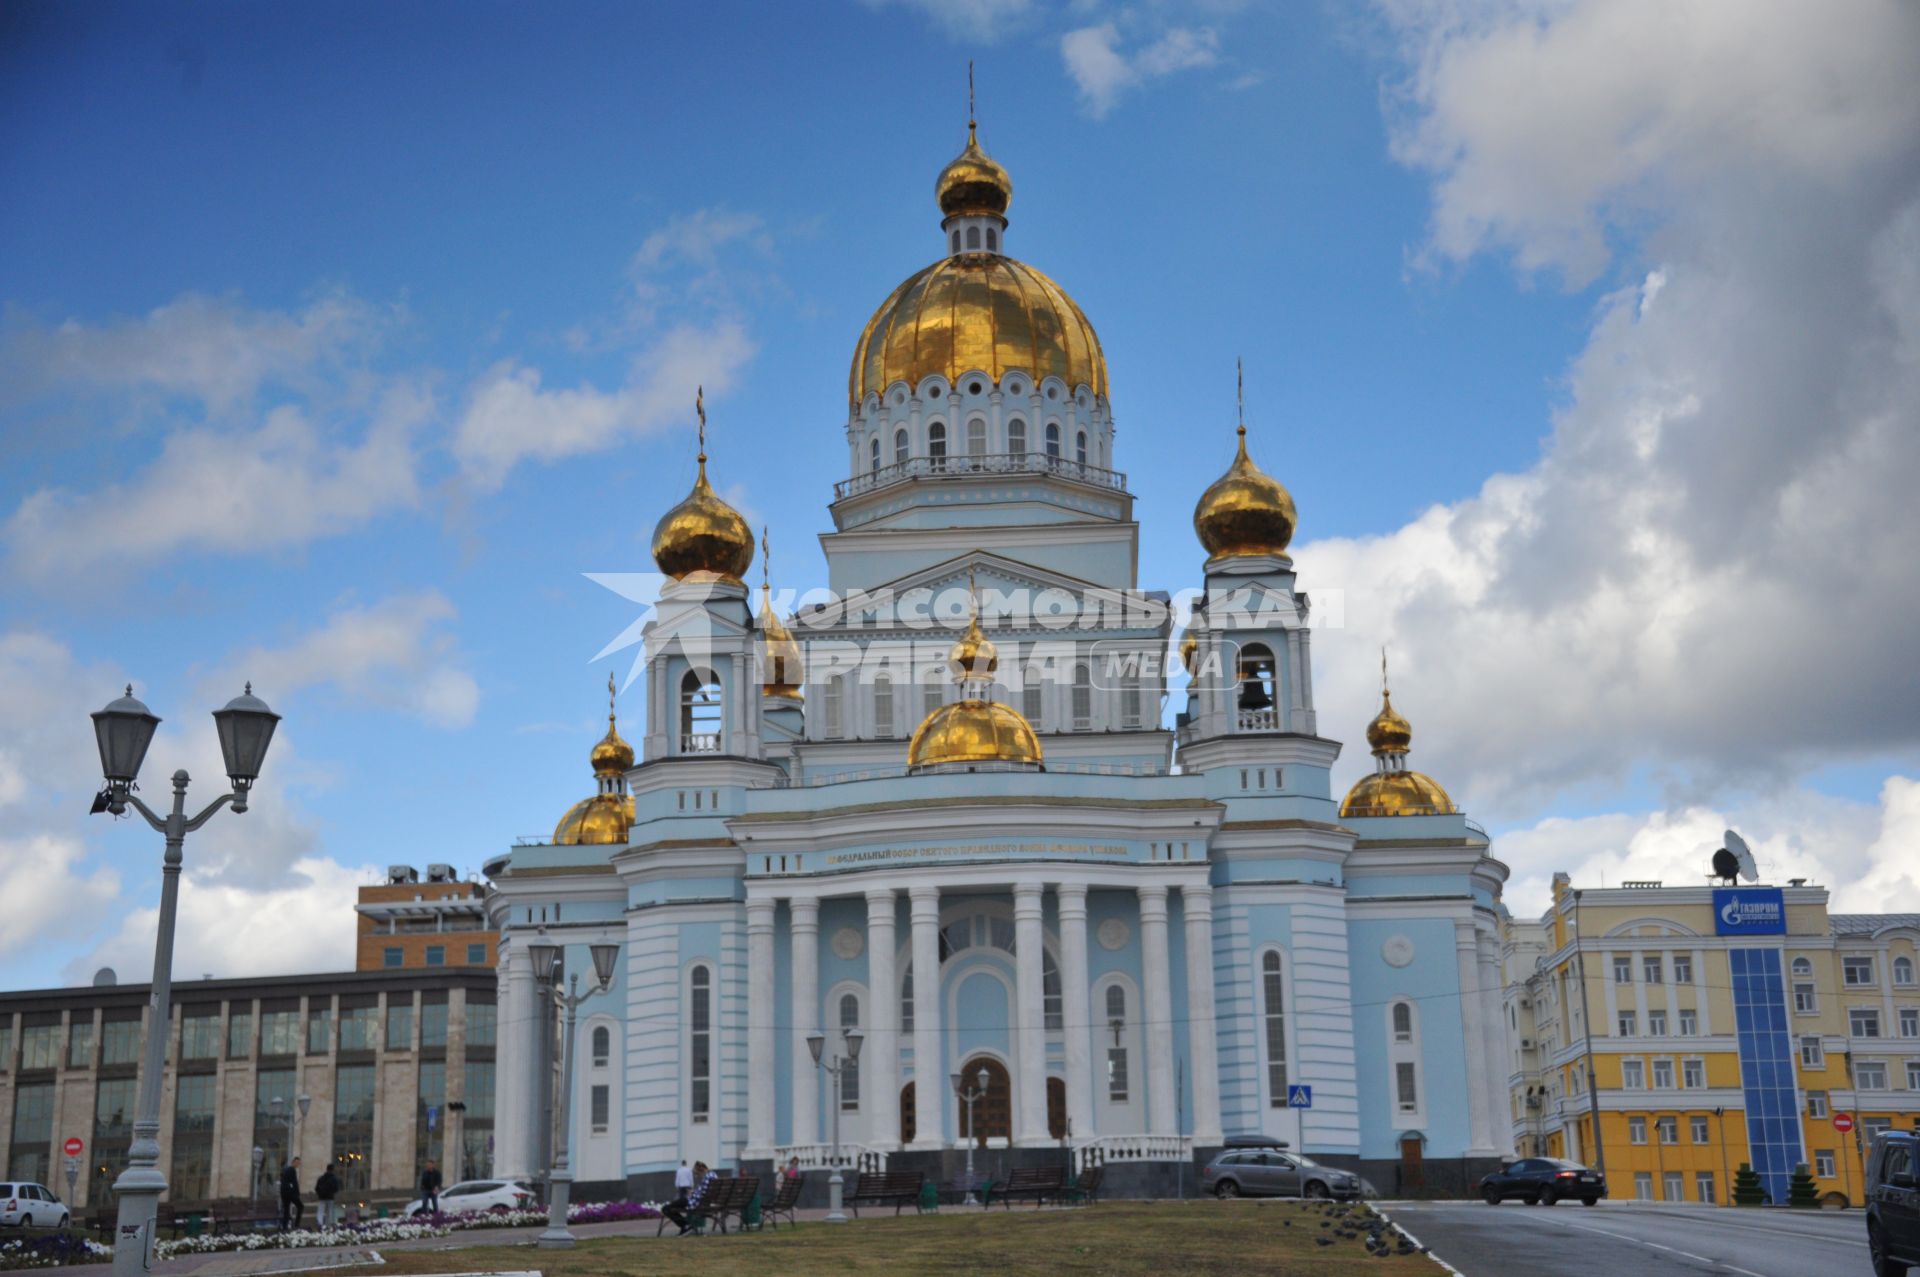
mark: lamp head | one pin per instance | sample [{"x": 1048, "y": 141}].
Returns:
[
  {"x": 122, "y": 730},
  {"x": 854, "y": 1038},
  {"x": 815, "y": 1043},
  {"x": 306, "y": 1102},
  {"x": 604, "y": 957},
  {"x": 246, "y": 728},
  {"x": 546, "y": 960},
  {"x": 983, "y": 1075},
  {"x": 959, "y": 1087}
]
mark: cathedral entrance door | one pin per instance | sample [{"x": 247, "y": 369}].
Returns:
[{"x": 992, "y": 1112}]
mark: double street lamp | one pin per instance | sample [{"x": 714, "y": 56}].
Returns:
[
  {"x": 123, "y": 730},
  {"x": 968, "y": 1096},
  {"x": 837, "y": 1067},
  {"x": 546, "y": 967}
]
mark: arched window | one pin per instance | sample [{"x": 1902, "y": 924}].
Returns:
[
  {"x": 1017, "y": 437},
  {"x": 1117, "y": 1053},
  {"x": 1402, "y": 1022},
  {"x": 1256, "y": 688},
  {"x": 901, "y": 447},
  {"x": 1802, "y": 967},
  {"x": 1130, "y": 705},
  {"x": 932, "y": 690},
  {"x": 882, "y": 707},
  {"x": 956, "y": 239},
  {"x": 602, "y": 1046},
  {"x": 1273, "y": 1012},
  {"x": 976, "y": 438},
  {"x": 873, "y": 453},
  {"x": 937, "y": 445},
  {"x": 1903, "y": 970},
  {"x": 993, "y": 240},
  {"x": 1080, "y": 447},
  {"x": 1030, "y": 703},
  {"x": 1082, "y": 698},
  {"x": 1050, "y": 996},
  {"x": 850, "y": 1075},
  {"x": 700, "y": 1042},
  {"x": 1053, "y": 438},
  {"x": 973, "y": 237},
  {"x": 1403, "y": 1055},
  {"x": 700, "y": 713}
]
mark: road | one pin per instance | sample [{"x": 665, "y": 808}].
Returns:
[{"x": 1615, "y": 1238}]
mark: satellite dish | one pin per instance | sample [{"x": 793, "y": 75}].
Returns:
[
  {"x": 1726, "y": 865},
  {"x": 105, "y": 978},
  {"x": 1738, "y": 846}
]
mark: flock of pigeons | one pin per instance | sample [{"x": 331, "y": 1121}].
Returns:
[{"x": 1354, "y": 1221}]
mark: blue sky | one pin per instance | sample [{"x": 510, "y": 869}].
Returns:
[{"x": 340, "y": 341}]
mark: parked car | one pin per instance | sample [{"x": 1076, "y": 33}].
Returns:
[
  {"x": 1893, "y": 1202},
  {"x": 477, "y": 1196},
  {"x": 31, "y": 1206},
  {"x": 1267, "y": 1172},
  {"x": 1544, "y": 1180}
]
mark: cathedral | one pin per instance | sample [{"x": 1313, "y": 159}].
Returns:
[{"x": 938, "y": 831}]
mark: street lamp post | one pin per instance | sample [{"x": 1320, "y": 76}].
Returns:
[
  {"x": 123, "y": 730},
  {"x": 967, "y": 1097},
  {"x": 546, "y": 964},
  {"x": 836, "y": 1067}
]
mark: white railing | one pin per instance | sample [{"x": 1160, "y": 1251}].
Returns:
[
  {"x": 980, "y": 463},
  {"x": 1259, "y": 720},
  {"x": 891, "y": 772},
  {"x": 820, "y": 1157},
  {"x": 700, "y": 742},
  {"x": 1132, "y": 1148}
]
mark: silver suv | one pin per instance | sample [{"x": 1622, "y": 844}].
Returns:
[
  {"x": 30, "y": 1206},
  {"x": 1267, "y": 1172}
]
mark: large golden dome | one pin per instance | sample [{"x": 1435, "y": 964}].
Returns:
[
  {"x": 976, "y": 312},
  {"x": 603, "y": 818},
  {"x": 1245, "y": 512},
  {"x": 974, "y": 185},
  {"x": 973, "y": 731},
  {"x": 1397, "y": 794}
]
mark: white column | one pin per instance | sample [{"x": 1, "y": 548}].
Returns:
[
  {"x": 1076, "y": 1010},
  {"x": 1202, "y": 1050},
  {"x": 1480, "y": 1142},
  {"x": 1493, "y": 1020},
  {"x": 1161, "y": 1119},
  {"x": 1030, "y": 1038},
  {"x": 803, "y": 929},
  {"x": 511, "y": 1156},
  {"x": 929, "y": 1064},
  {"x": 761, "y": 1044},
  {"x": 880, "y": 1059}
]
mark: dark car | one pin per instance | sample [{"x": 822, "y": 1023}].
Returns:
[
  {"x": 1893, "y": 1202},
  {"x": 1536, "y": 1180}
]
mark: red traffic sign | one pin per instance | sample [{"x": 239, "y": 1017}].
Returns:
[
  {"x": 72, "y": 1147},
  {"x": 1843, "y": 1122}
]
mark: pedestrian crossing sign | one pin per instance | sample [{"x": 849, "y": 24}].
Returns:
[{"x": 1299, "y": 1097}]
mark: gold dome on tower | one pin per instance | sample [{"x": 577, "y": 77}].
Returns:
[
  {"x": 973, "y": 729},
  {"x": 605, "y": 817},
  {"x": 1389, "y": 733},
  {"x": 974, "y": 184},
  {"x": 781, "y": 671},
  {"x": 1391, "y": 789},
  {"x": 703, "y": 534},
  {"x": 1245, "y": 511}
]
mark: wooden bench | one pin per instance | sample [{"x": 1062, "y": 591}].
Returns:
[
  {"x": 727, "y": 1198},
  {"x": 1086, "y": 1189},
  {"x": 783, "y": 1203},
  {"x": 902, "y": 1188},
  {"x": 1037, "y": 1182}
]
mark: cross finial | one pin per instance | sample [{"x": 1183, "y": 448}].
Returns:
[
  {"x": 1383, "y": 670},
  {"x": 249, "y": 687},
  {"x": 1240, "y": 391},
  {"x": 610, "y": 695},
  {"x": 700, "y": 407},
  {"x": 970, "y": 93},
  {"x": 766, "y": 561}
]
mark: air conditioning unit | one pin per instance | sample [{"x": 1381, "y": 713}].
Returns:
[
  {"x": 441, "y": 873},
  {"x": 1526, "y": 1044},
  {"x": 397, "y": 874}
]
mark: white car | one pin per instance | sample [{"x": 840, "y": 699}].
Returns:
[
  {"x": 31, "y": 1206},
  {"x": 476, "y": 1196}
]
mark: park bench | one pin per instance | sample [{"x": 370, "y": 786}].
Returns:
[
  {"x": 1037, "y": 1182},
  {"x": 728, "y": 1197},
  {"x": 902, "y": 1188},
  {"x": 1086, "y": 1189},
  {"x": 783, "y": 1203}
]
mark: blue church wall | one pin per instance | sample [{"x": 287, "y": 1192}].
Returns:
[
  {"x": 1274, "y": 869},
  {"x": 1432, "y": 982}
]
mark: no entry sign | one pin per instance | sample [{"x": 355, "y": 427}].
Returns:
[
  {"x": 72, "y": 1147},
  {"x": 1843, "y": 1122}
]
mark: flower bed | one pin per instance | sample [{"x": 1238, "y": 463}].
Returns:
[{"x": 57, "y": 1249}]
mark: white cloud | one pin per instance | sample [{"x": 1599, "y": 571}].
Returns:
[
  {"x": 1102, "y": 72},
  {"x": 49, "y": 891},
  {"x": 394, "y": 654},
  {"x": 510, "y": 417},
  {"x": 1705, "y": 581},
  {"x": 288, "y": 480},
  {"x": 981, "y": 20}
]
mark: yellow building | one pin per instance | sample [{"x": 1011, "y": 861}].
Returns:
[{"x": 1719, "y": 1026}]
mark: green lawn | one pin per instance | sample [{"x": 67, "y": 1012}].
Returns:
[{"x": 1164, "y": 1238}]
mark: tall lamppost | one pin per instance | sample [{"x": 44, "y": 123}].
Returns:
[
  {"x": 837, "y": 1067},
  {"x": 295, "y": 1112},
  {"x": 546, "y": 964},
  {"x": 967, "y": 1097},
  {"x": 123, "y": 730}
]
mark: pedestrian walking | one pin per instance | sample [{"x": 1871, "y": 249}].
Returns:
[
  {"x": 325, "y": 1189},
  {"x": 430, "y": 1188},
  {"x": 290, "y": 1202}
]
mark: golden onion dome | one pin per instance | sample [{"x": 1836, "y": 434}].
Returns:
[
  {"x": 976, "y": 312},
  {"x": 974, "y": 185},
  {"x": 612, "y": 756},
  {"x": 973, "y": 731},
  {"x": 601, "y": 819},
  {"x": 973, "y": 655},
  {"x": 1245, "y": 512},
  {"x": 1189, "y": 650},
  {"x": 780, "y": 665},
  {"x": 1397, "y": 793},
  {"x": 703, "y": 534},
  {"x": 1389, "y": 733}
]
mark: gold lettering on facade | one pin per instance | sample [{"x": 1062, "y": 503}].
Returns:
[{"x": 979, "y": 849}]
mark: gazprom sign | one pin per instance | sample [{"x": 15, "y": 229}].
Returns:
[{"x": 1749, "y": 911}]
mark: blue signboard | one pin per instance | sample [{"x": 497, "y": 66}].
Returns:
[
  {"x": 1299, "y": 1097},
  {"x": 1749, "y": 911}
]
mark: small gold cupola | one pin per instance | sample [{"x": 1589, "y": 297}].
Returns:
[
  {"x": 974, "y": 184},
  {"x": 605, "y": 817},
  {"x": 973, "y": 729},
  {"x": 703, "y": 536},
  {"x": 781, "y": 671},
  {"x": 1393, "y": 789},
  {"x": 1245, "y": 511}
]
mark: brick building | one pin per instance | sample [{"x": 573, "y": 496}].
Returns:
[{"x": 407, "y": 923}]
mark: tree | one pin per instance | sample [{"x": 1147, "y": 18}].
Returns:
[
  {"x": 1746, "y": 1187},
  {"x": 1801, "y": 1194}
]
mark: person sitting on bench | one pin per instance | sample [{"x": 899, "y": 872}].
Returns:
[{"x": 681, "y": 1210}]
